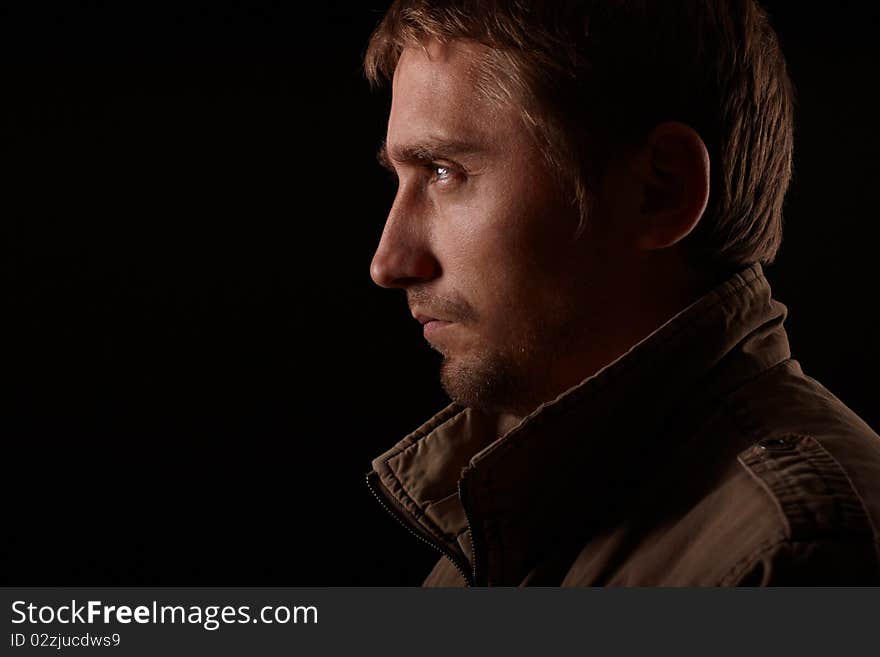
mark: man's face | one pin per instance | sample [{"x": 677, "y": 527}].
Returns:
[{"x": 481, "y": 237}]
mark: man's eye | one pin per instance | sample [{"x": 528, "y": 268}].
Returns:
[{"x": 441, "y": 173}]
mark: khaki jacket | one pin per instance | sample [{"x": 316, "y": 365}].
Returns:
[{"x": 704, "y": 456}]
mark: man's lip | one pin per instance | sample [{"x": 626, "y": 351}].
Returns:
[
  {"x": 424, "y": 319},
  {"x": 431, "y": 327}
]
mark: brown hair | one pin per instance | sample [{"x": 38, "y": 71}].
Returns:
[{"x": 592, "y": 77}]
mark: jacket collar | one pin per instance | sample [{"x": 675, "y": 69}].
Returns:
[{"x": 493, "y": 504}]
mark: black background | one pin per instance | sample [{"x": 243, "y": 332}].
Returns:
[{"x": 198, "y": 368}]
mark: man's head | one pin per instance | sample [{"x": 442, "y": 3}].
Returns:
[{"x": 571, "y": 174}]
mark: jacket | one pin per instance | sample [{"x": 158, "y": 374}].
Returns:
[{"x": 703, "y": 456}]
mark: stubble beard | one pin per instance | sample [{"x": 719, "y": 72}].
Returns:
[
  {"x": 482, "y": 382},
  {"x": 523, "y": 373},
  {"x": 515, "y": 374},
  {"x": 494, "y": 380}
]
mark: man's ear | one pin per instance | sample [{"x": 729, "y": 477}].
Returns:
[{"x": 672, "y": 169}]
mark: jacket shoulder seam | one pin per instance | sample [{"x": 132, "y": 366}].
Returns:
[{"x": 809, "y": 487}]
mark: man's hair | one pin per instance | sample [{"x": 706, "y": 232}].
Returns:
[{"x": 592, "y": 78}]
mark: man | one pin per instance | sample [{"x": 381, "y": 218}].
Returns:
[{"x": 587, "y": 192}]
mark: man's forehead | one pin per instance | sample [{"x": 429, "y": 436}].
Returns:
[
  {"x": 438, "y": 77},
  {"x": 434, "y": 98}
]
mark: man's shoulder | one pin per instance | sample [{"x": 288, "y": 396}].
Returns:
[
  {"x": 783, "y": 486},
  {"x": 806, "y": 489},
  {"x": 785, "y": 395},
  {"x": 823, "y": 514},
  {"x": 799, "y": 434},
  {"x": 783, "y": 511}
]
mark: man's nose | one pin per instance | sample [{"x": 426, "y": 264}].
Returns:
[{"x": 404, "y": 256}]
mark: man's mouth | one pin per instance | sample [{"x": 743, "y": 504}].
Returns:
[
  {"x": 430, "y": 325},
  {"x": 430, "y": 329}
]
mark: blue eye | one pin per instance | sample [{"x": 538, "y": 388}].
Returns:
[
  {"x": 444, "y": 175},
  {"x": 441, "y": 173}
]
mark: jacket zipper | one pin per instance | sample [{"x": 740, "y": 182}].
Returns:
[
  {"x": 474, "y": 547},
  {"x": 468, "y": 580}
]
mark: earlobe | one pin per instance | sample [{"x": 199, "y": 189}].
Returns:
[{"x": 674, "y": 169}]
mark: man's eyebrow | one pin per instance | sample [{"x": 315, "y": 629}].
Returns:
[{"x": 424, "y": 152}]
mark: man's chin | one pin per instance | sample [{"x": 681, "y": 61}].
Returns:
[{"x": 483, "y": 383}]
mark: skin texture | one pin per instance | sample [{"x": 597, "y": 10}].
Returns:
[{"x": 481, "y": 235}]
